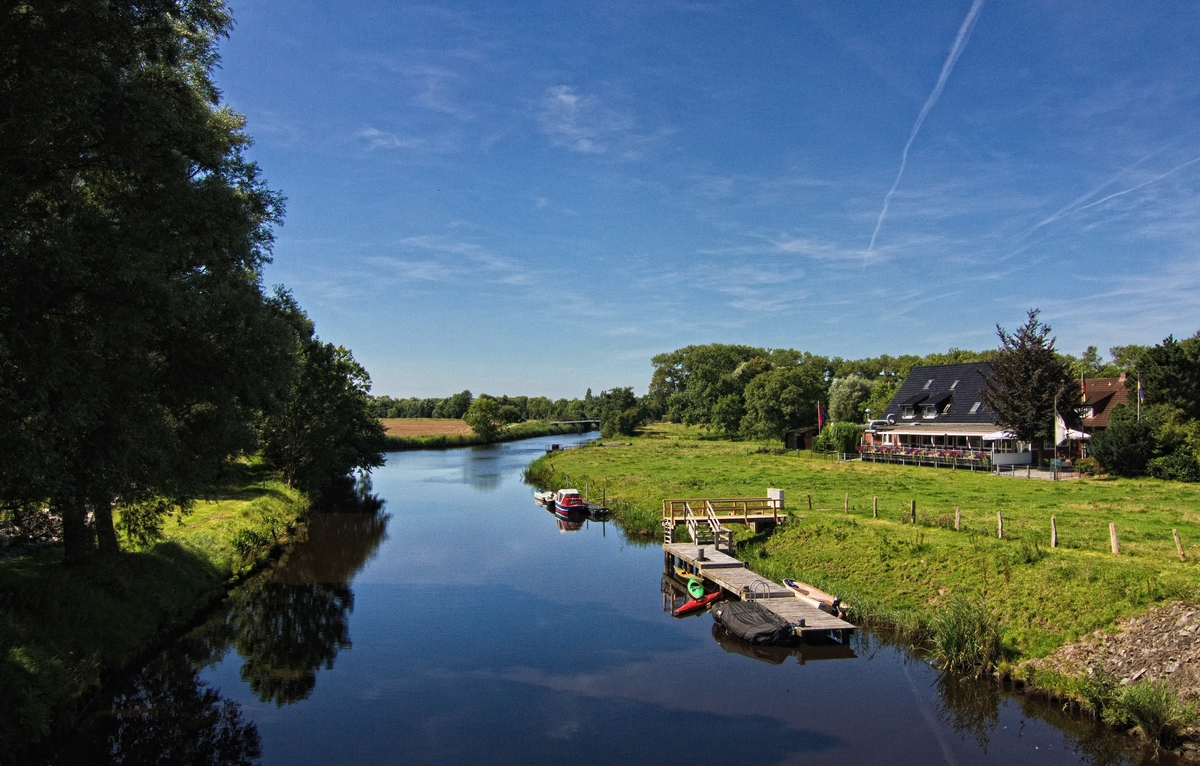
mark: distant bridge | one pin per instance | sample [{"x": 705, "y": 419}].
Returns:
[{"x": 592, "y": 421}]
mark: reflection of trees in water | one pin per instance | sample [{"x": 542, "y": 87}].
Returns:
[
  {"x": 286, "y": 633},
  {"x": 285, "y": 624},
  {"x": 295, "y": 620},
  {"x": 970, "y": 707},
  {"x": 166, "y": 714},
  {"x": 482, "y": 468}
]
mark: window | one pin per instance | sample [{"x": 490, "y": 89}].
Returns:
[
  {"x": 929, "y": 383},
  {"x": 929, "y": 411},
  {"x": 975, "y": 407},
  {"x": 953, "y": 385},
  {"x": 906, "y": 411}
]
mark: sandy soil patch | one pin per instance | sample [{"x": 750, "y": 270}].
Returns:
[{"x": 424, "y": 426}]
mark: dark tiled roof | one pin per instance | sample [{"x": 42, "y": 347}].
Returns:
[
  {"x": 1103, "y": 394},
  {"x": 961, "y": 397}
]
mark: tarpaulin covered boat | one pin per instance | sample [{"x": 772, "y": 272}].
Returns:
[{"x": 754, "y": 623}]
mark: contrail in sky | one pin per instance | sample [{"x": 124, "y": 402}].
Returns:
[
  {"x": 1075, "y": 207},
  {"x": 960, "y": 42}
]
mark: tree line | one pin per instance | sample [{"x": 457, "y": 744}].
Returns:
[
  {"x": 140, "y": 353},
  {"x": 618, "y": 410}
]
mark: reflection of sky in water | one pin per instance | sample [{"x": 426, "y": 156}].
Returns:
[{"x": 477, "y": 633}]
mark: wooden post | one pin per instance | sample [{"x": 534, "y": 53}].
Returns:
[
  {"x": 875, "y": 507},
  {"x": 810, "y": 502},
  {"x": 847, "y": 506},
  {"x": 957, "y": 519},
  {"x": 1053, "y": 532},
  {"x": 1000, "y": 525},
  {"x": 1112, "y": 537},
  {"x": 912, "y": 511},
  {"x": 1178, "y": 545}
]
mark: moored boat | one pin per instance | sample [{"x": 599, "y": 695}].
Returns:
[
  {"x": 545, "y": 498},
  {"x": 569, "y": 501}
]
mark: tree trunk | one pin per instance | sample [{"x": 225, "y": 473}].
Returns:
[
  {"x": 106, "y": 534},
  {"x": 77, "y": 538}
]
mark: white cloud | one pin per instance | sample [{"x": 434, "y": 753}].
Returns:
[{"x": 583, "y": 124}]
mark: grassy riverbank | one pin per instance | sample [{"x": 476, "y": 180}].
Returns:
[
  {"x": 528, "y": 430},
  {"x": 896, "y": 573},
  {"x": 62, "y": 631}
]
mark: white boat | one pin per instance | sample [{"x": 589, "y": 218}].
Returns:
[{"x": 545, "y": 498}]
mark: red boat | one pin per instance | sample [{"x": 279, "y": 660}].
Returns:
[
  {"x": 695, "y": 604},
  {"x": 568, "y": 501}
]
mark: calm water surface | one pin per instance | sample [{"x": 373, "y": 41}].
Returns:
[{"x": 463, "y": 626}]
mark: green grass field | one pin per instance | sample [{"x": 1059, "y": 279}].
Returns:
[
  {"x": 894, "y": 572},
  {"x": 63, "y": 630}
]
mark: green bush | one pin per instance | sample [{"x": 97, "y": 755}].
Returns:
[
  {"x": 1180, "y": 465},
  {"x": 838, "y": 437},
  {"x": 1152, "y": 710},
  {"x": 966, "y": 638},
  {"x": 1125, "y": 446}
]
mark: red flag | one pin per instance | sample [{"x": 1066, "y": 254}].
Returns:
[{"x": 820, "y": 416}]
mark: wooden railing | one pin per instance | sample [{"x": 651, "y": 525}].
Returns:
[{"x": 726, "y": 508}]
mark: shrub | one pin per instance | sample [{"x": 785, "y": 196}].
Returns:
[
  {"x": 1180, "y": 465},
  {"x": 1087, "y": 465},
  {"x": 966, "y": 638},
  {"x": 838, "y": 437},
  {"x": 1125, "y": 446},
  {"x": 1152, "y": 710}
]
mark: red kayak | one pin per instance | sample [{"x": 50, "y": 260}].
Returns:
[{"x": 699, "y": 603}]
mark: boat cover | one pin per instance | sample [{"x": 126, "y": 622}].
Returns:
[{"x": 754, "y": 623}]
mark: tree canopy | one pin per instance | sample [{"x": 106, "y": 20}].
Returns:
[
  {"x": 138, "y": 349},
  {"x": 1028, "y": 380}
]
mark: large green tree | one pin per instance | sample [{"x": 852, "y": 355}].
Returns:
[
  {"x": 1171, "y": 374},
  {"x": 785, "y": 398},
  {"x": 135, "y": 339},
  {"x": 1027, "y": 380},
  {"x": 326, "y": 426}
]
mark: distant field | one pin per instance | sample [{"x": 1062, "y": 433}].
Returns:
[{"x": 425, "y": 427}]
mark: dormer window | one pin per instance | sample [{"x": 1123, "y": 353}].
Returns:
[
  {"x": 929, "y": 411},
  {"x": 929, "y": 383},
  {"x": 906, "y": 411}
]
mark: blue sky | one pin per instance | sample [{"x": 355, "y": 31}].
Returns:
[{"x": 538, "y": 197}]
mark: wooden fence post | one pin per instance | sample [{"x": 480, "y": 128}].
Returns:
[
  {"x": 847, "y": 506},
  {"x": 912, "y": 511},
  {"x": 810, "y": 502},
  {"x": 957, "y": 519},
  {"x": 1053, "y": 532},
  {"x": 875, "y": 507},
  {"x": 1000, "y": 525},
  {"x": 1112, "y": 537},
  {"x": 1178, "y": 545}
]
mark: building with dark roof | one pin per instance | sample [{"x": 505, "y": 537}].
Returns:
[
  {"x": 1100, "y": 396},
  {"x": 938, "y": 413}
]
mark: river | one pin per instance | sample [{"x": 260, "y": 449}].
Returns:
[{"x": 463, "y": 626}]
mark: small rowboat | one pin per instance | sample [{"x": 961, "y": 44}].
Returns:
[
  {"x": 814, "y": 596},
  {"x": 545, "y": 498},
  {"x": 699, "y": 603}
]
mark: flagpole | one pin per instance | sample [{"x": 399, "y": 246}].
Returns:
[{"x": 1139, "y": 396}]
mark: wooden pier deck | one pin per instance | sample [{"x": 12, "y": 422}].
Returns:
[{"x": 735, "y": 578}]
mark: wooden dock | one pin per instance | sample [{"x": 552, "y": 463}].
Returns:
[{"x": 736, "y": 579}]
